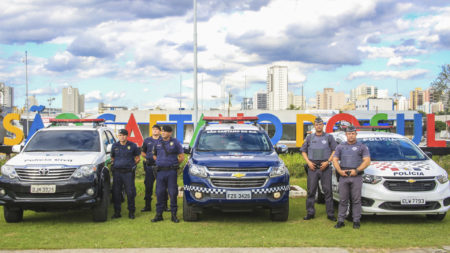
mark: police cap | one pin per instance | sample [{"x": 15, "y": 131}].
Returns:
[
  {"x": 167, "y": 129},
  {"x": 350, "y": 129},
  {"x": 157, "y": 127},
  {"x": 318, "y": 120},
  {"x": 123, "y": 132}
]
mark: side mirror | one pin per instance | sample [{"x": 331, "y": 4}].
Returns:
[
  {"x": 16, "y": 148},
  {"x": 281, "y": 149},
  {"x": 429, "y": 154},
  {"x": 187, "y": 149},
  {"x": 108, "y": 148}
]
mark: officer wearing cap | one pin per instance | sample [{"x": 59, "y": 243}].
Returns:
[
  {"x": 318, "y": 150},
  {"x": 168, "y": 154},
  {"x": 124, "y": 157},
  {"x": 149, "y": 165},
  {"x": 354, "y": 157}
]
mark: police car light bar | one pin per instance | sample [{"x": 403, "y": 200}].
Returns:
[
  {"x": 230, "y": 119},
  {"x": 55, "y": 122}
]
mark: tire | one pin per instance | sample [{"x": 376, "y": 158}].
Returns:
[
  {"x": 438, "y": 217},
  {"x": 320, "y": 197},
  {"x": 13, "y": 215},
  {"x": 100, "y": 211},
  {"x": 188, "y": 211},
  {"x": 282, "y": 213}
]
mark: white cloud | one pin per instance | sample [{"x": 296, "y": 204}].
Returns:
[
  {"x": 398, "y": 61},
  {"x": 406, "y": 74}
]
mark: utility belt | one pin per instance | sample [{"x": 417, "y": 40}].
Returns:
[
  {"x": 317, "y": 164},
  {"x": 161, "y": 168},
  {"x": 123, "y": 170},
  {"x": 348, "y": 171}
]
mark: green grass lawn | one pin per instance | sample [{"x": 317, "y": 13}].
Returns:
[{"x": 75, "y": 229}]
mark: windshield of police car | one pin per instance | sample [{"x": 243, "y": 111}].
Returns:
[
  {"x": 233, "y": 140},
  {"x": 393, "y": 149},
  {"x": 64, "y": 140}
]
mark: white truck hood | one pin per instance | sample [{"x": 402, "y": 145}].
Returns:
[
  {"x": 54, "y": 158},
  {"x": 404, "y": 168}
]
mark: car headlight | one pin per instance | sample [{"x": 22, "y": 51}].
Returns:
[
  {"x": 9, "y": 171},
  {"x": 442, "y": 179},
  {"x": 278, "y": 171},
  {"x": 84, "y": 171},
  {"x": 371, "y": 179},
  {"x": 197, "y": 170}
]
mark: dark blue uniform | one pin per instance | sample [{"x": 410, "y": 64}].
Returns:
[
  {"x": 149, "y": 166},
  {"x": 123, "y": 173},
  {"x": 167, "y": 163}
]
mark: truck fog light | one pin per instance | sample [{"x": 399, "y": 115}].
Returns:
[
  {"x": 90, "y": 191},
  {"x": 276, "y": 195},
  {"x": 2, "y": 192},
  {"x": 198, "y": 195}
]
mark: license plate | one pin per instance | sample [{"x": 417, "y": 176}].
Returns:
[
  {"x": 43, "y": 188},
  {"x": 412, "y": 201},
  {"x": 239, "y": 195}
]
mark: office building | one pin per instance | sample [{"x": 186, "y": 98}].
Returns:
[{"x": 277, "y": 88}]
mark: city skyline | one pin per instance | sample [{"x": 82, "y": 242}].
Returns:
[{"x": 134, "y": 55}]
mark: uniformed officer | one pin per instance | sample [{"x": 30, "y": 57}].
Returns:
[
  {"x": 318, "y": 150},
  {"x": 168, "y": 155},
  {"x": 124, "y": 157},
  {"x": 149, "y": 165},
  {"x": 354, "y": 157}
]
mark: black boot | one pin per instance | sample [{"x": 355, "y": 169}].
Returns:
[
  {"x": 147, "y": 207},
  {"x": 174, "y": 218},
  {"x": 158, "y": 217},
  {"x": 131, "y": 215},
  {"x": 116, "y": 215}
]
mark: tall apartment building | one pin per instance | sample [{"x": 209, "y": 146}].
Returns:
[
  {"x": 402, "y": 104},
  {"x": 277, "y": 88},
  {"x": 260, "y": 100},
  {"x": 416, "y": 98},
  {"x": 330, "y": 100},
  {"x": 6, "y": 96},
  {"x": 72, "y": 101},
  {"x": 296, "y": 100},
  {"x": 247, "y": 104},
  {"x": 363, "y": 91}
]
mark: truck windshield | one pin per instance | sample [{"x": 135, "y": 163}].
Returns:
[
  {"x": 393, "y": 149},
  {"x": 233, "y": 140},
  {"x": 64, "y": 140}
]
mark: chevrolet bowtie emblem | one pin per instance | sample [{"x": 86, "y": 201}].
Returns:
[
  {"x": 411, "y": 181},
  {"x": 238, "y": 175}
]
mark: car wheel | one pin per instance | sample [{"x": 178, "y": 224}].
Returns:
[
  {"x": 188, "y": 211},
  {"x": 280, "y": 214},
  {"x": 437, "y": 217},
  {"x": 100, "y": 212},
  {"x": 13, "y": 215}
]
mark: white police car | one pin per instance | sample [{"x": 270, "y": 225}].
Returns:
[
  {"x": 61, "y": 167},
  {"x": 401, "y": 178}
]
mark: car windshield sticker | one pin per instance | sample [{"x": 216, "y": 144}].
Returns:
[{"x": 231, "y": 131}]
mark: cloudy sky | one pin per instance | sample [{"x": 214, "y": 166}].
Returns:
[{"x": 136, "y": 53}]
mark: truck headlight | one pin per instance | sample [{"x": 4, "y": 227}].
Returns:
[
  {"x": 371, "y": 179},
  {"x": 84, "y": 171},
  {"x": 197, "y": 170},
  {"x": 9, "y": 171},
  {"x": 441, "y": 179},
  {"x": 278, "y": 171}
]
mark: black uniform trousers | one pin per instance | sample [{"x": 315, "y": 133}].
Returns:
[
  {"x": 166, "y": 180},
  {"x": 125, "y": 179}
]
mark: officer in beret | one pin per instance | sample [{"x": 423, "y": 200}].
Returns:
[
  {"x": 149, "y": 165},
  {"x": 168, "y": 155},
  {"x": 124, "y": 156},
  {"x": 354, "y": 157},
  {"x": 318, "y": 150}
]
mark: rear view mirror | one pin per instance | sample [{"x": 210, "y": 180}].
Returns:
[
  {"x": 108, "y": 148},
  {"x": 187, "y": 149},
  {"x": 281, "y": 149},
  {"x": 16, "y": 148}
]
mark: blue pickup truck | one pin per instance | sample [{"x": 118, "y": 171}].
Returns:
[{"x": 235, "y": 167}]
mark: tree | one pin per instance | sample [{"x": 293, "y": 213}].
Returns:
[
  {"x": 439, "y": 126},
  {"x": 442, "y": 85}
]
